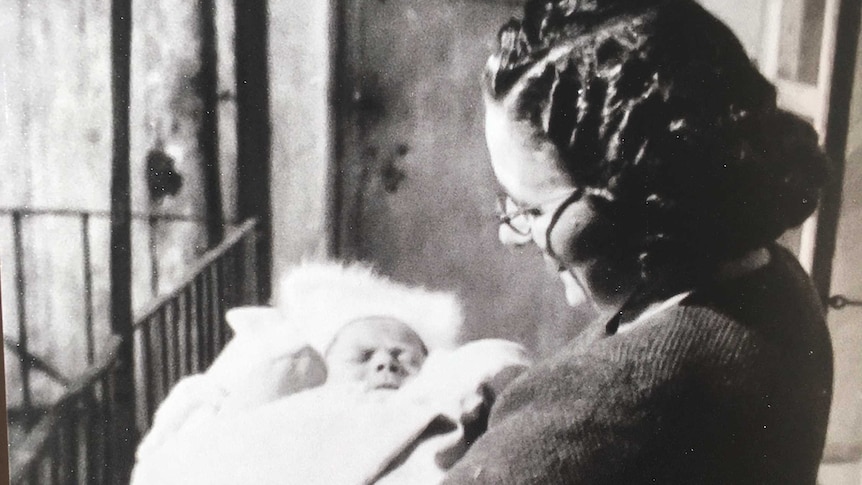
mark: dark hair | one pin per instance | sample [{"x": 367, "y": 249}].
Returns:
[{"x": 657, "y": 103}]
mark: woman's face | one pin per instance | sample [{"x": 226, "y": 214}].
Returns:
[{"x": 528, "y": 167}]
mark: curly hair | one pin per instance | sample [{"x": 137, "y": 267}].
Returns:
[{"x": 656, "y": 103}]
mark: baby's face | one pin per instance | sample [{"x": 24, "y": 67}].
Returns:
[{"x": 378, "y": 353}]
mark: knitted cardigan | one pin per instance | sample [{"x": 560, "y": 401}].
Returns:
[{"x": 731, "y": 385}]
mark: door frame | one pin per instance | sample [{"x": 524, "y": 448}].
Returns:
[
  {"x": 837, "y": 126},
  {"x": 828, "y": 105}
]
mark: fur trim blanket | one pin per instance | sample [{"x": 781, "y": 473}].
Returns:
[
  {"x": 258, "y": 416},
  {"x": 318, "y": 298}
]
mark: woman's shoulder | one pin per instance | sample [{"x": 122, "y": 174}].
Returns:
[{"x": 776, "y": 304}]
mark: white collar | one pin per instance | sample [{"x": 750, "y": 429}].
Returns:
[
  {"x": 652, "y": 311},
  {"x": 750, "y": 261}
]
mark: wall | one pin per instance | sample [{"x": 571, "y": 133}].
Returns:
[
  {"x": 745, "y": 18},
  {"x": 419, "y": 190},
  {"x": 165, "y": 117},
  {"x": 300, "y": 44},
  {"x": 55, "y": 145}
]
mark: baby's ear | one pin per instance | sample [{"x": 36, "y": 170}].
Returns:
[{"x": 252, "y": 320}]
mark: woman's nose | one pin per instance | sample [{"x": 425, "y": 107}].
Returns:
[{"x": 510, "y": 237}]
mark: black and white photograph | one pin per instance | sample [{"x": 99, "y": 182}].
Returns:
[{"x": 428, "y": 242}]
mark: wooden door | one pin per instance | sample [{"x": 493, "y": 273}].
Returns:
[
  {"x": 416, "y": 189},
  {"x": 844, "y": 447},
  {"x": 843, "y": 456}
]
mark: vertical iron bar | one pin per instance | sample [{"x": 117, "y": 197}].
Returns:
[
  {"x": 207, "y": 323},
  {"x": 4, "y": 437},
  {"x": 238, "y": 298},
  {"x": 55, "y": 455},
  {"x": 174, "y": 307},
  {"x": 66, "y": 448},
  {"x": 154, "y": 256},
  {"x": 124, "y": 431},
  {"x": 200, "y": 326},
  {"x": 226, "y": 276},
  {"x": 99, "y": 441},
  {"x": 217, "y": 306},
  {"x": 224, "y": 292},
  {"x": 194, "y": 324},
  {"x": 79, "y": 440},
  {"x": 88, "y": 288},
  {"x": 164, "y": 357},
  {"x": 147, "y": 364},
  {"x": 20, "y": 283},
  {"x": 251, "y": 294},
  {"x": 91, "y": 419},
  {"x": 253, "y": 129},
  {"x": 208, "y": 136},
  {"x": 73, "y": 445},
  {"x": 217, "y": 313},
  {"x": 229, "y": 300},
  {"x": 187, "y": 322},
  {"x": 232, "y": 282},
  {"x": 342, "y": 55},
  {"x": 111, "y": 452},
  {"x": 105, "y": 431}
]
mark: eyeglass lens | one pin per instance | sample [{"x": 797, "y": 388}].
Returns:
[{"x": 515, "y": 217}]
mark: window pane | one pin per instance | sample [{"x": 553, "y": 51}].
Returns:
[{"x": 801, "y": 37}]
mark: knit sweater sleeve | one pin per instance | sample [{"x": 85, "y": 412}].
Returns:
[
  {"x": 550, "y": 438},
  {"x": 624, "y": 411}
]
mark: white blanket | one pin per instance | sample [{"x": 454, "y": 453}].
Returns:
[{"x": 330, "y": 435}]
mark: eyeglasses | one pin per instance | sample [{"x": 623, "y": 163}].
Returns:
[{"x": 520, "y": 218}]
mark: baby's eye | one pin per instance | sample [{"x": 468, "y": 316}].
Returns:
[{"x": 365, "y": 355}]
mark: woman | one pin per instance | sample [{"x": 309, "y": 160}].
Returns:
[{"x": 642, "y": 152}]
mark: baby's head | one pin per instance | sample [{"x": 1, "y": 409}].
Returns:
[{"x": 377, "y": 352}]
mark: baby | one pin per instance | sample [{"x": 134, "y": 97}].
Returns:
[
  {"x": 354, "y": 428},
  {"x": 374, "y": 353}
]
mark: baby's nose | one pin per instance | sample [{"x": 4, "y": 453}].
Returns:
[{"x": 387, "y": 363}]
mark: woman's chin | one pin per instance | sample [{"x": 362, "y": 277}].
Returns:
[{"x": 575, "y": 295}]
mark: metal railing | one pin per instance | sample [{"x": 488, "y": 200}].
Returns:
[
  {"x": 71, "y": 444},
  {"x": 21, "y": 346},
  {"x": 180, "y": 333}
]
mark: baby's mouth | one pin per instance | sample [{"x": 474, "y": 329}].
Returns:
[
  {"x": 387, "y": 385},
  {"x": 384, "y": 383}
]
